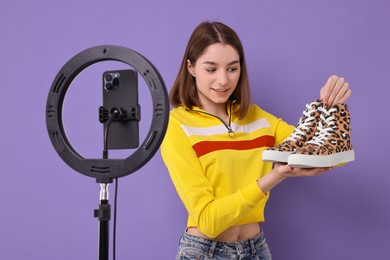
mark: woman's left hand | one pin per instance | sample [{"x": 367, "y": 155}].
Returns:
[
  {"x": 335, "y": 91},
  {"x": 288, "y": 171}
]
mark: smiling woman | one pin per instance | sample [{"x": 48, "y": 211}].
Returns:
[{"x": 213, "y": 149}]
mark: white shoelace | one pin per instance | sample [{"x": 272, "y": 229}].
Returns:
[
  {"x": 298, "y": 133},
  {"x": 322, "y": 132}
]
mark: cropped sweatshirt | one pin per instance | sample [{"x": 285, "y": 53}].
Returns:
[{"x": 215, "y": 167}]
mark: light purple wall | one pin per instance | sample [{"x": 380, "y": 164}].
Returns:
[{"x": 291, "y": 47}]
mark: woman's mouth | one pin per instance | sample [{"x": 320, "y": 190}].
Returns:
[{"x": 220, "y": 90}]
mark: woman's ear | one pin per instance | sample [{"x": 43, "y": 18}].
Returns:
[{"x": 190, "y": 68}]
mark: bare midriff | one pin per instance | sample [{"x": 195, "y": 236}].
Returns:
[{"x": 232, "y": 234}]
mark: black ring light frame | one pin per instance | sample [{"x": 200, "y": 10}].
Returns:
[{"x": 105, "y": 170}]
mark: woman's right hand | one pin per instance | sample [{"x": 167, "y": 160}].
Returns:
[{"x": 335, "y": 91}]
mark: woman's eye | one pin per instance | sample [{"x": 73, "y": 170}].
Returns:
[
  {"x": 232, "y": 69},
  {"x": 210, "y": 70}
]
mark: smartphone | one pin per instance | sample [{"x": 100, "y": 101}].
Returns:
[{"x": 120, "y": 90}]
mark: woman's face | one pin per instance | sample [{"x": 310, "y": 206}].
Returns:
[{"x": 216, "y": 72}]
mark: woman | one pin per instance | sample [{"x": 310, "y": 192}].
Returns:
[{"x": 213, "y": 147}]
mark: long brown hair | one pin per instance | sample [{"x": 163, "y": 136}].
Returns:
[{"x": 184, "y": 90}]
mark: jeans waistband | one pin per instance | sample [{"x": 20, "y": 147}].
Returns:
[{"x": 240, "y": 247}]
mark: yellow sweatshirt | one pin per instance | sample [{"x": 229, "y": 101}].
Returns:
[{"x": 215, "y": 167}]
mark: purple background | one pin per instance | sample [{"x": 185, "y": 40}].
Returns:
[{"x": 291, "y": 47}]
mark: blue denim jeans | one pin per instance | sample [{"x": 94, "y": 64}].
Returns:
[{"x": 193, "y": 247}]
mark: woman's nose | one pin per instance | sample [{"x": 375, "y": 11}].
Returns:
[{"x": 222, "y": 78}]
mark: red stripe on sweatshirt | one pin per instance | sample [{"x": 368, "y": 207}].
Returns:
[{"x": 206, "y": 147}]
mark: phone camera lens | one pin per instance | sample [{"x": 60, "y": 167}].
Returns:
[
  {"x": 115, "y": 83},
  {"x": 108, "y": 86},
  {"x": 108, "y": 77}
]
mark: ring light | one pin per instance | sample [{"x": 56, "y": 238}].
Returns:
[{"x": 105, "y": 170}]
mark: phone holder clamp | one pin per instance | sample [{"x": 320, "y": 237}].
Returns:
[{"x": 120, "y": 113}]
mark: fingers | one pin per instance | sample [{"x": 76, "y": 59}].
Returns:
[
  {"x": 314, "y": 171},
  {"x": 343, "y": 95},
  {"x": 327, "y": 89},
  {"x": 335, "y": 91},
  {"x": 339, "y": 89},
  {"x": 308, "y": 172},
  {"x": 288, "y": 171}
]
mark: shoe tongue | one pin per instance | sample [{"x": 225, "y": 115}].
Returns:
[
  {"x": 329, "y": 112},
  {"x": 317, "y": 104},
  {"x": 337, "y": 107},
  {"x": 330, "y": 117}
]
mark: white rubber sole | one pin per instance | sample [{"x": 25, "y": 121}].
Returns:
[
  {"x": 314, "y": 161},
  {"x": 275, "y": 156}
]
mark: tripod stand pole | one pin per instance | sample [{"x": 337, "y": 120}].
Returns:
[{"x": 103, "y": 214}]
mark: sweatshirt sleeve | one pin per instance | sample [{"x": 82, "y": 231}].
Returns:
[
  {"x": 282, "y": 131},
  {"x": 211, "y": 215}
]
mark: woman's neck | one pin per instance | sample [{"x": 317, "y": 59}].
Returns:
[{"x": 218, "y": 110}]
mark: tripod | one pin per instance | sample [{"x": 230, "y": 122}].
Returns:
[
  {"x": 105, "y": 170},
  {"x": 103, "y": 213}
]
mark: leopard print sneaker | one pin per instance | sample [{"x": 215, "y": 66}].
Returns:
[
  {"x": 331, "y": 144},
  {"x": 303, "y": 132}
]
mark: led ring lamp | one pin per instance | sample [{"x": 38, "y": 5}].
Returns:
[{"x": 105, "y": 170}]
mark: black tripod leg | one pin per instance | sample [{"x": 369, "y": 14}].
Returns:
[{"x": 103, "y": 214}]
